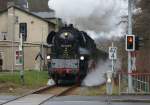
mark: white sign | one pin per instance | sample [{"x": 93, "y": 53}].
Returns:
[{"x": 112, "y": 53}]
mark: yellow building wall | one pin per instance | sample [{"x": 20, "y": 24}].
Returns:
[
  {"x": 3, "y": 24},
  {"x": 37, "y": 29}
]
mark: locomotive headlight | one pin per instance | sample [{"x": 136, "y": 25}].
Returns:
[
  {"x": 82, "y": 58},
  {"x": 66, "y": 34},
  {"x": 48, "y": 57}
]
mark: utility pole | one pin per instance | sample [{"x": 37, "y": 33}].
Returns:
[{"x": 130, "y": 5}]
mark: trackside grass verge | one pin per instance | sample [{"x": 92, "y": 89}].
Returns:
[
  {"x": 96, "y": 91},
  {"x": 11, "y": 83}
]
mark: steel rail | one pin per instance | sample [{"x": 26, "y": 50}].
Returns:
[
  {"x": 60, "y": 94},
  {"x": 29, "y": 93}
]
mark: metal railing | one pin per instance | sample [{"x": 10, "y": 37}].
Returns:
[{"x": 140, "y": 83}]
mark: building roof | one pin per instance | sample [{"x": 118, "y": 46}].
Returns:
[
  {"x": 34, "y": 5},
  {"x": 23, "y": 10},
  {"x": 45, "y": 14}
]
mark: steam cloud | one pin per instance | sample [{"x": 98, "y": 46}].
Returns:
[
  {"x": 96, "y": 76},
  {"x": 97, "y": 17}
]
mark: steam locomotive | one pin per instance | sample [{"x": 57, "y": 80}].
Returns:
[{"x": 71, "y": 50}]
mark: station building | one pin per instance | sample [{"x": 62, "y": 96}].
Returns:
[{"x": 14, "y": 20}]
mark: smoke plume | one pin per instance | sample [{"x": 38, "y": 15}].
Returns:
[{"x": 97, "y": 17}]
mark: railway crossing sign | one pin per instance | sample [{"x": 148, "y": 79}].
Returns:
[{"x": 113, "y": 53}]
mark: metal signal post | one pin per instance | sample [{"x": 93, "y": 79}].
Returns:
[{"x": 130, "y": 87}]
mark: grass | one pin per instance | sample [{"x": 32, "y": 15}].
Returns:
[
  {"x": 11, "y": 83},
  {"x": 95, "y": 91},
  {"x": 33, "y": 79}
]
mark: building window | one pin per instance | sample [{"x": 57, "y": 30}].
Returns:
[
  {"x": 23, "y": 30},
  {"x": 3, "y": 35},
  {"x": 18, "y": 57}
]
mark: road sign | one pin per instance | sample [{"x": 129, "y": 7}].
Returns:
[{"x": 113, "y": 53}]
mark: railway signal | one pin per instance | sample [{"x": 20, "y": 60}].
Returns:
[{"x": 130, "y": 43}]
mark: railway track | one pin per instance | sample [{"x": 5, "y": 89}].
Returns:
[{"x": 40, "y": 96}]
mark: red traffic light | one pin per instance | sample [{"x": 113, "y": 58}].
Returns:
[
  {"x": 130, "y": 39},
  {"x": 130, "y": 42}
]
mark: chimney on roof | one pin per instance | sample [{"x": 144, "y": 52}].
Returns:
[{"x": 24, "y": 4}]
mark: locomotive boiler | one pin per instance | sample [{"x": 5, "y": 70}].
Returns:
[{"x": 71, "y": 50}]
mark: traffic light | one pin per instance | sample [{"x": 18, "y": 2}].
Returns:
[
  {"x": 130, "y": 43},
  {"x": 138, "y": 42}
]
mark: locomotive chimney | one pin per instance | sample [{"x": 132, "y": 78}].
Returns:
[
  {"x": 71, "y": 25},
  {"x": 65, "y": 25}
]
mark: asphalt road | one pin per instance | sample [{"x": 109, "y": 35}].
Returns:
[
  {"x": 90, "y": 103},
  {"x": 87, "y": 100},
  {"x": 77, "y": 100}
]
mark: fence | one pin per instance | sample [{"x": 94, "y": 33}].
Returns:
[{"x": 140, "y": 83}]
